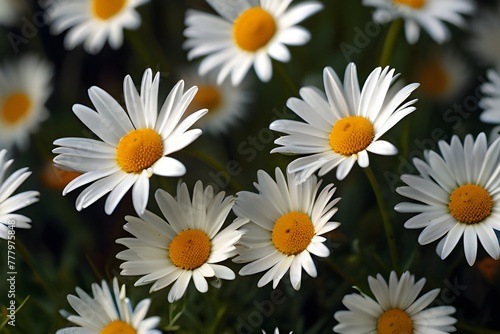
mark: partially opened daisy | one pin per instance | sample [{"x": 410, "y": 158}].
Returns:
[
  {"x": 343, "y": 126},
  {"x": 109, "y": 312},
  {"x": 395, "y": 309},
  {"x": 9, "y": 204},
  {"x": 285, "y": 228},
  {"x": 133, "y": 145},
  {"x": 484, "y": 41},
  {"x": 24, "y": 90},
  {"x": 428, "y": 14},
  {"x": 226, "y": 104},
  {"x": 491, "y": 101},
  {"x": 188, "y": 245},
  {"x": 248, "y": 32},
  {"x": 458, "y": 194},
  {"x": 92, "y": 22}
]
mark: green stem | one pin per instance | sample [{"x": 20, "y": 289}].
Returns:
[
  {"x": 215, "y": 165},
  {"x": 213, "y": 326},
  {"x": 148, "y": 50},
  {"x": 2, "y": 325},
  {"x": 389, "y": 233},
  {"x": 286, "y": 78},
  {"x": 389, "y": 42},
  {"x": 340, "y": 272},
  {"x": 29, "y": 261}
]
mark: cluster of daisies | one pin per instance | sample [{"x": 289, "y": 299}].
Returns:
[{"x": 281, "y": 225}]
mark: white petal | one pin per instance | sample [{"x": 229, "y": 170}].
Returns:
[{"x": 140, "y": 193}]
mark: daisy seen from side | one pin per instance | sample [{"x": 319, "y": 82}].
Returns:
[
  {"x": 343, "y": 126},
  {"x": 92, "y": 22},
  {"x": 133, "y": 145},
  {"x": 428, "y": 14},
  {"x": 395, "y": 309},
  {"x": 286, "y": 221},
  {"x": 458, "y": 194},
  {"x": 109, "y": 312},
  {"x": 24, "y": 89},
  {"x": 491, "y": 101},
  {"x": 188, "y": 245},
  {"x": 227, "y": 104},
  {"x": 8, "y": 203},
  {"x": 246, "y": 33}
]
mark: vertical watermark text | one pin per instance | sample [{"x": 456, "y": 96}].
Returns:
[{"x": 11, "y": 273}]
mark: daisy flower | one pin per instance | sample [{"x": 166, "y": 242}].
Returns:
[
  {"x": 484, "y": 41},
  {"x": 395, "y": 309},
  {"x": 108, "y": 313},
  {"x": 286, "y": 223},
  {"x": 491, "y": 102},
  {"x": 8, "y": 205},
  {"x": 345, "y": 125},
  {"x": 188, "y": 245},
  {"x": 429, "y": 14},
  {"x": 24, "y": 89},
  {"x": 134, "y": 145},
  {"x": 226, "y": 104},
  {"x": 459, "y": 195},
  {"x": 92, "y": 22},
  {"x": 444, "y": 75},
  {"x": 248, "y": 32}
]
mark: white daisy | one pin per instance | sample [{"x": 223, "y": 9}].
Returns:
[
  {"x": 345, "y": 125},
  {"x": 24, "y": 89},
  {"x": 109, "y": 313},
  {"x": 395, "y": 309},
  {"x": 226, "y": 104},
  {"x": 484, "y": 41},
  {"x": 444, "y": 75},
  {"x": 134, "y": 145},
  {"x": 286, "y": 221},
  {"x": 491, "y": 101},
  {"x": 92, "y": 22},
  {"x": 8, "y": 219},
  {"x": 249, "y": 32},
  {"x": 429, "y": 14},
  {"x": 187, "y": 245},
  {"x": 459, "y": 194}
]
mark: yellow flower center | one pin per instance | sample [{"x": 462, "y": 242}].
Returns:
[
  {"x": 105, "y": 9},
  {"x": 394, "y": 321},
  {"x": 411, "y": 3},
  {"x": 253, "y": 29},
  {"x": 208, "y": 97},
  {"x": 292, "y": 233},
  {"x": 139, "y": 150},
  {"x": 351, "y": 135},
  {"x": 470, "y": 204},
  {"x": 190, "y": 249},
  {"x": 15, "y": 107},
  {"x": 433, "y": 79},
  {"x": 118, "y": 327}
]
